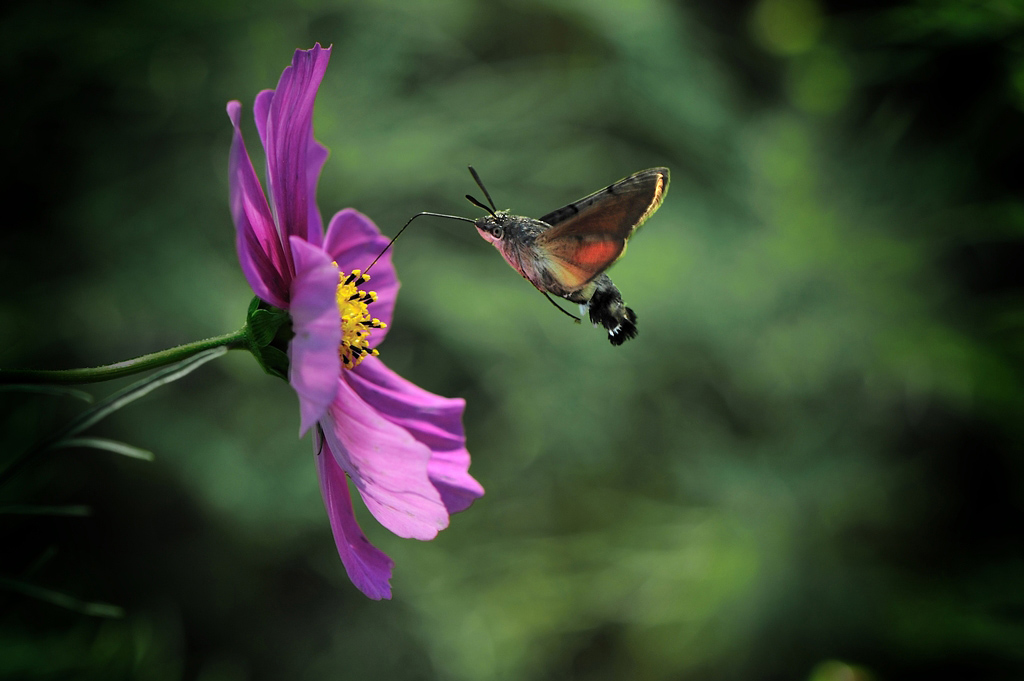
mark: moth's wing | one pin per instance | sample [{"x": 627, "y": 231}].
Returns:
[
  {"x": 641, "y": 194},
  {"x": 587, "y": 236},
  {"x": 574, "y": 260}
]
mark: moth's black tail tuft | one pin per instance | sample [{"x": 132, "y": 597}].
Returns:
[
  {"x": 608, "y": 310},
  {"x": 625, "y": 330}
]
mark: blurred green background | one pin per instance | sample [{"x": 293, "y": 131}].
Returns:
[{"x": 807, "y": 466}]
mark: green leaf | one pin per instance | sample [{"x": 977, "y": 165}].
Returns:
[
  {"x": 120, "y": 399},
  {"x": 58, "y": 390},
  {"x": 108, "y": 445},
  {"x": 93, "y": 609},
  {"x": 15, "y": 509},
  {"x": 138, "y": 389}
]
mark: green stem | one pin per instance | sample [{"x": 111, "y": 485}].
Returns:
[{"x": 238, "y": 339}]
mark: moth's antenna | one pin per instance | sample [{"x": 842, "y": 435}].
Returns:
[
  {"x": 476, "y": 202},
  {"x": 436, "y": 215},
  {"x": 480, "y": 184}
]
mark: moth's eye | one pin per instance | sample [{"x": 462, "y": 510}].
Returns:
[{"x": 497, "y": 232}]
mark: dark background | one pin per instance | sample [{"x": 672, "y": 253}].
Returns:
[{"x": 807, "y": 466}]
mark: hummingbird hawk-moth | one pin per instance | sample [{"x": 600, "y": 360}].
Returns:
[{"x": 566, "y": 252}]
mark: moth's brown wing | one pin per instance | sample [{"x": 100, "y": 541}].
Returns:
[
  {"x": 573, "y": 260},
  {"x": 587, "y": 236},
  {"x": 643, "y": 193}
]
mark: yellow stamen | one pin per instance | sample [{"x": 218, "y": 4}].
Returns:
[{"x": 356, "y": 322}]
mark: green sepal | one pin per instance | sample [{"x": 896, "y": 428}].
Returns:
[
  {"x": 265, "y": 322},
  {"x": 270, "y": 329},
  {"x": 274, "y": 362}
]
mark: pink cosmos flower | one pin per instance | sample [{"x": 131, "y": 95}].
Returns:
[{"x": 403, "y": 447}]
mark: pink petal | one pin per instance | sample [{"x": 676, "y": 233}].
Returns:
[
  {"x": 354, "y": 241},
  {"x": 431, "y": 419},
  {"x": 387, "y": 465},
  {"x": 259, "y": 248},
  {"x": 367, "y": 566},
  {"x": 449, "y": 471},
  {"x": 313, "y": 352},
  {"x": 317, "y": 156},
  {"x": 261, "y": 112},
  {"x": 315, "y": 163},
  {"x": 288, "y": 140}
]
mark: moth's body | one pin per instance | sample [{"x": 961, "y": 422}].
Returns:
[
  {"x": 566, "y": 252},
  {"x": 517, "y": 244}
]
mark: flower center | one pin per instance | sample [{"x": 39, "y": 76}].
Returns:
[{"x": 356, "y": 322}]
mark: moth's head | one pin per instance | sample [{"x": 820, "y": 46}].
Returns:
[{"x": 493, "y": 228}]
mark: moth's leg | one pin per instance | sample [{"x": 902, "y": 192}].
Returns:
[{"x": 563, "y": 310}]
